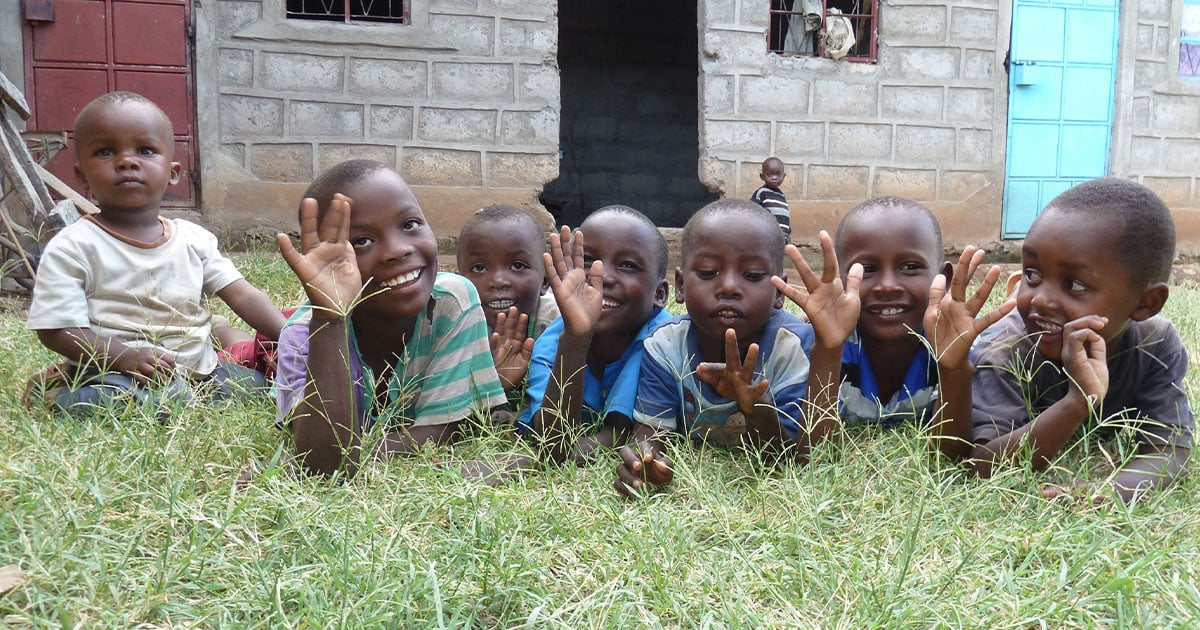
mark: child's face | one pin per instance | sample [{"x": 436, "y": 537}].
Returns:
[
  {"x": 394, "y": 247},
  {"x": 123, "y": 157},
  {"x": 504, "y": 262},
  {"x": 898, "y": 252},
  {"x": 1071, "y": 270},
  {"x": 772, "y": 173},
  {"x": 726, "y": 283},
  {"x": 631, "y": 287}
]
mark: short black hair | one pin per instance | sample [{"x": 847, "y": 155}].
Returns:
[
  {"x": 339, "y": 177},
  {"x": 499, "y": 213},
  {"x": 884, "y": 205},
  {"x": 661, "y": 255},
  {"x": 1146, "y": 230},
  {"x": 735, "y": 210},
  {"x": 112, "y": 98}
]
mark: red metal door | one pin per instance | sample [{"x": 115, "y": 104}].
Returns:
[{"x": 95, "y": 46}]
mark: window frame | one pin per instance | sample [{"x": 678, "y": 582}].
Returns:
[
  {"x": 872, "y": 17},
  {"x": 1187, "y": 41},
  {"x": 347, "y": 14}
]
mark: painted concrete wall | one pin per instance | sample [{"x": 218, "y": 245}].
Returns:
[
  {"x": 927, "y": 121},
  {"x": 465, "y": 102}
]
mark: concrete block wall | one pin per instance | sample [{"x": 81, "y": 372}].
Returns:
[
  {"x": 1156, "y": 138},
  {"x": 464, "y": 102},
  {"x": 926, "y": 121}
]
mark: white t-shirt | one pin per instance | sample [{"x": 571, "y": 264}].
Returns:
[{"x": 140, "y": 294}]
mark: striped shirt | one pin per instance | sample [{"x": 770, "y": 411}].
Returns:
[
  {"x": 774, "y": 201},
  {"x": 445, "y": 374}
]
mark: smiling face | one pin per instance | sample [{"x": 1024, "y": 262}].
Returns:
[
  {"x": 632, "y": 285},
  {"x": 123, "y": 153},
  {"x": 772, "y": 173},
  {"x": 503, "y": 259},
  {"x": 1069, "y": 271},
  {"x": 393, "y": 245},
  {"x": 899, "y": 254},
  {"x": 725, "y": 282}
]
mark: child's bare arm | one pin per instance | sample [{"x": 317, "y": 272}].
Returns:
[
  {"x": 85, "y": 347},
  {"x": 642, "y": 462},
  {"x": 951, "y": 326},
  {"x": 578, "y": 292},
  {"x": 1084, "y": 358},
  {"x": 511, "y": 348},
  {"x": 1154, "y": 467},
  {"x": 325, "y": 422},
  {"x": 254, "y": 307},
  {"x": 833, "y": 312}
]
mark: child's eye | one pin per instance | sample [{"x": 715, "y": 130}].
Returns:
[
  {"x": 755, "y": 276},
  {"x": 911, "y": 267},
  {"x": 105, "y": 152},
  {"x": 359, "y": 242},
  {"x": 146, "y": 151},
  {"x": 628, "y": 265},
  {"x": 588, "y": 259},
  {"x": 412, "y": 225},
  {"x": 868, "y": 269},
  {"x": 478, "y": 268},
  {"x": 519, "y": 265},
  {"x": 1032, "y": 276},
  {"x": 706, "y": 274},
  {"x": 1076, "y": 286}
]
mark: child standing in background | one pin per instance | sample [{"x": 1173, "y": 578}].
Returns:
[
  {"x": 500, "y": 251},
  {"x": 121, "y": 293},
  {"x": 770, "y": 197}
]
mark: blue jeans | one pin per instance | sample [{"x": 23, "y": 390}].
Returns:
[{"x": 87, "y": 391}]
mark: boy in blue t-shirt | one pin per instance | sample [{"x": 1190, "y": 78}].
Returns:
[
  {"x": 696, "y": 378},
  {"x": 889, "y": 375},
  {"x": 610, "y": 286}
]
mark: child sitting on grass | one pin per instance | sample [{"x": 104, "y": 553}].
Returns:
[
  {"x": 385, "y": 337},
  {"x": 611, "y": 287},
  {"x": 736, "y": 369},
  {"x": 121, "y": 293},
  {"x": 500, "y": 251},
  {"x": 889, "y": 375},
  {"x": 1085, "y": 343}
]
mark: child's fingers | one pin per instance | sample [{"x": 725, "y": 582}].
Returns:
[
  {"x": 979, "y": 298},
  {"x": 595, "y": 274},
  {"x": 288, "y": 250},
  {"x": 987, "y": 319},
  {"x": 733, "y": 355},
  {"x": 710, "y": 372},
  {"x": 789, "y": 291},
  {"x": 577, "y": 249},
  {"x": 829, "y": 269},
  {"x": 335, "y": 225},
  {"x": 308, "y": 223},
  {"x": 750, "y": 363},
  {"x": 854, "y": 278},
  {"x": 962, "y": 274}
]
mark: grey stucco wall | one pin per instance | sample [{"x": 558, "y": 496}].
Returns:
[
  {"x": 464, "y": 101},
  {"x": 927, "y": 121}
]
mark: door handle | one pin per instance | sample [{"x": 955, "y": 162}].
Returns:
[
  {"x": 1023, "y": 73},
  {"x": 37, "y": 10}
]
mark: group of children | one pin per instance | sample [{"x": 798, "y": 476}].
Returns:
[{"x": 576, "y": 344}]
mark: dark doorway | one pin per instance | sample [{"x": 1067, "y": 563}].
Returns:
[{"x": 629, "y": 109}]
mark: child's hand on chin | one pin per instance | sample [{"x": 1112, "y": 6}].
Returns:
[
  {"x": 1085, "y": 357},
  {"x": 325, "y": 263}
]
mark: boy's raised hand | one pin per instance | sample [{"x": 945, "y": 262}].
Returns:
[
  {"x": 325, "y": 263},
  {"x": 1085, "y": 357},
  {"x": 832, "y": 310},
  {"x": 952, "y": 322},
  {"x": 642, "y": 464},
  {"x": 578, "y": 288},
  {"x": 511, "y": 347},
  {"x": 734, "y": 379}
]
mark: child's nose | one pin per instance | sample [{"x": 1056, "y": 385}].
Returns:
[
  {"x": 728, "y": 285},
  {"x": 887, "y": 281},
  {"x": 397, "y": 248}
]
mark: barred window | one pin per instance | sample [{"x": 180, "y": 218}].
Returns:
[
  {"x": 1189, "y": 41},
  {"x": 838, "y": 29},
  {"x": 388, "y": 11}
]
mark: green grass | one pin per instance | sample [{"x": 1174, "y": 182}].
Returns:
[{"x": 126, "y": 522}]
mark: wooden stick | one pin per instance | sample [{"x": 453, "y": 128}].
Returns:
[{"x": 65, "y": 191}]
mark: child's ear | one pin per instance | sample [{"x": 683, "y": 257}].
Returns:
[
  {"x": 1151, "y": 301},
  {"x": 679, "y": 298},
  {"x": 176, "y": 168},
  {"x": 82, "y": 179},
  {"x": 948, "y": 271},
  {"x": 779, "y": 297},
  {"x": 661, "y": 293}
]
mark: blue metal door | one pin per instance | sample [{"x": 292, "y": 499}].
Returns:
[{"x": 1061, "y": 78}]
